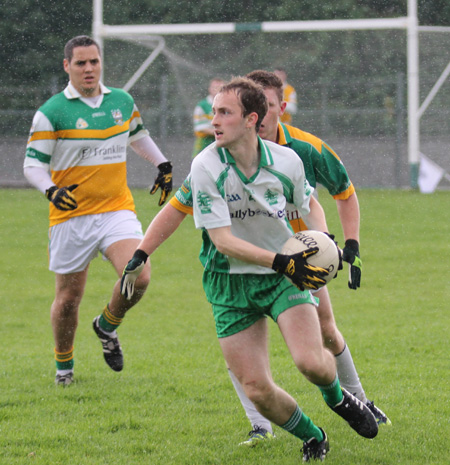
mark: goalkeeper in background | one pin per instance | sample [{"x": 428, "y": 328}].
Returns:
[
  {"x": 322, "y": 166},
  {"x": 76, "y": 156}
]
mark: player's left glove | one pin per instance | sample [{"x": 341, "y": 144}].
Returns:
[
  {"x": 62, "y": 198},
  {"x": 163, "y": 181},
  {"x": 132, "y": 272},
  {"x": 351, "y": 256}
]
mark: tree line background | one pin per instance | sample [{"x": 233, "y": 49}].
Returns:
[
  {"x": 34, "y": 33},
  {"x": 350, "y": 84}
]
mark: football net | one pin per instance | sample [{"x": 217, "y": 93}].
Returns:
[{"x": 351, "y": 87}]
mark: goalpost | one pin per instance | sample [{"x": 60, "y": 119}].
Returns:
[{"x": 408, "y": 23}]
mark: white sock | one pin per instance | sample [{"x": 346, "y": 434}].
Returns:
[
  {"x": 108, "y": 333},
  {"x": 63, "y": 372},
  {"x": 348, "y": 376},
  {"x": 256, "y": 419}
]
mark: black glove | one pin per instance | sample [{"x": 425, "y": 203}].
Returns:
[
  {"x": 351, "y": 256},
  {"x": 163, "y": 181},
  {"x": 340, "y": 266},
  {"x": 131, "y": 273},
  {"x": 299, "y": 271},
  {"x": 62, "y": 198}
]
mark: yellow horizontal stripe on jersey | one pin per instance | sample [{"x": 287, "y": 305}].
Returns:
[
  {"x": 101, "y": 188},
  {"x": 100, "y": 134},
  {"x": 42, "y": 135},
  {"x": 136, "y": 114}
]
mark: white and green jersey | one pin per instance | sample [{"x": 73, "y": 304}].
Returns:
[{"x": 255, "y": 208}]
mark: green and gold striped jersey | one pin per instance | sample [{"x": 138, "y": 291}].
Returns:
[{"x": 85, "y": 142}]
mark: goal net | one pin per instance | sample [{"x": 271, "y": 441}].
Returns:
[{"x": 351, "y": 88}]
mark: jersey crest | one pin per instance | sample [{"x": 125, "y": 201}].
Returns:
[
  {"x": 271, "y": 197},
  {"x": 81, "y": 124},
  {"x": 118, "y": 118},
  {"x": 204, "y": 202}
]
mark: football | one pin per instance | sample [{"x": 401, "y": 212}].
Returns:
[{"x": 327, "y": 257}]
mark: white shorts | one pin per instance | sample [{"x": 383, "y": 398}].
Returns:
[{"x": 75, "y": 242}]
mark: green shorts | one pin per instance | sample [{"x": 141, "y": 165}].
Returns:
[{"x": 240, "y": 300}]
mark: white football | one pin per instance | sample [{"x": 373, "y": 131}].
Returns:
[{"x": 327, "y": 257}]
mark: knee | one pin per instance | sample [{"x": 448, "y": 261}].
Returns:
[
  {"x": 329, "y": 333},
  {"x": 260, "y": 393},
  {"x": 67, "y": 302},
  {"x": 316, "y": 367},
  {"x": 332, "y": 338},
  {"x": 142, "y": 282},
  {"x": 143, "y": 279}
]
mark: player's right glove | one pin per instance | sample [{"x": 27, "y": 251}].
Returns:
[
  {"x": 131, "y": 273},
  {"x": 351, "y": 256},
  {"x": 299, "y": 271},
  {"x": 163, "y": 181},
  {"x": 62, "y": 198}
]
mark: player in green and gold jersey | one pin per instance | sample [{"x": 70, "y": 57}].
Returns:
[
  {"x": 76, "y": 156},
  {"x": 202, "y": 117}
]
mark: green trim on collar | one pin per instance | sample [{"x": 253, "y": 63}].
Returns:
[
  {"x": 266, "y": 159},
  {"x": 266, "y": 155},
  {"x": 225, "y": 156}
]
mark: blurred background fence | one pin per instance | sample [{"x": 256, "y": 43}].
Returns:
[{"x": 351, "y": 89}]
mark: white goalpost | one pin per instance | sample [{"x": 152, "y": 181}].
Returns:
[{"x": 408, "y": 23}]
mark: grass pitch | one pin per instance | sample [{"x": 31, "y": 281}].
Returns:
[{"x": 173, "y": 403}]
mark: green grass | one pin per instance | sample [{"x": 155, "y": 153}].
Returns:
[{"x": 173, "y": 403}]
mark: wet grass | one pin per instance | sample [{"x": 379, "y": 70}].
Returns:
[{"x": 173, "y": 402}]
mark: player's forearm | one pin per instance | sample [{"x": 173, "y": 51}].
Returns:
[
  {"x": 316, "y": 218},
  {"x": 232, "y": 246},
  {"x": 146, "y": 148},
  {"x": 38, "y": 177},
  {"x": 349, "y": 215},
  {"x": 164, "y": 224}
]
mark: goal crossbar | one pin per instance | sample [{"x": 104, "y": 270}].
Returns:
[
  {"x": 408, "y": 23},
  {"x": 268, "y": 26}
]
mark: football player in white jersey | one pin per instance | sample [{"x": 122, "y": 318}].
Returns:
[{"x": 240, "y": 187}]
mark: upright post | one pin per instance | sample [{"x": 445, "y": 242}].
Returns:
[
  {"x": 97, "y": 24},
  {"x": 413, "y": 93}
]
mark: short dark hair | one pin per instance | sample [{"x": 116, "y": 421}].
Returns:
[
  {"x": 267, "y": 80},
  {"x": 78, "y": 41},
  {"x": 250, "y": 95}
]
